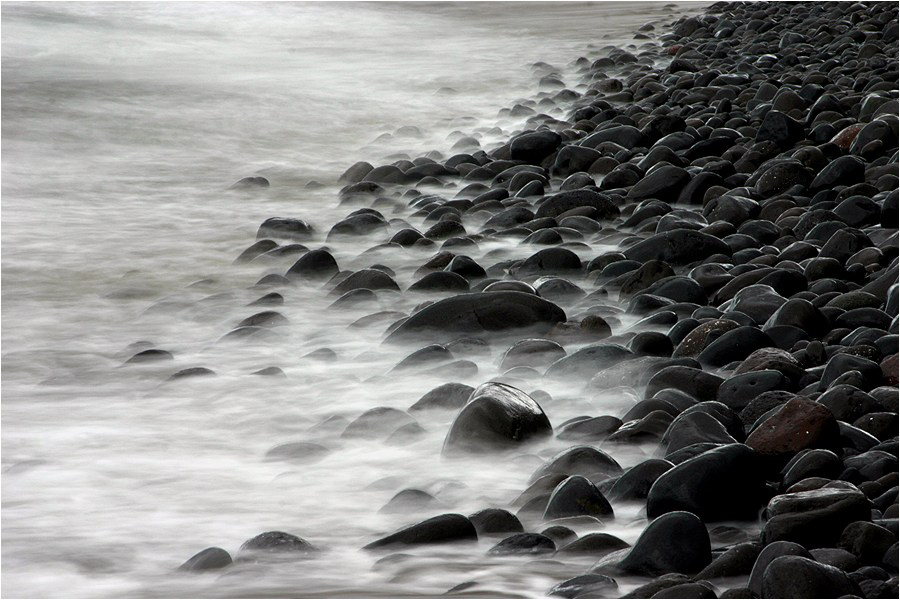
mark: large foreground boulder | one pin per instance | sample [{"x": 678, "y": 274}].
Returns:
[{"x": 676, "y": 542}]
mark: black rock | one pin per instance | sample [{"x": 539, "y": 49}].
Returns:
[
  {"x": 533, "y": 147},
  {"x": 448, "y": 396},
  {"x": 442, "y": 529},
  {"x": 799, "y": 577},
  {"x": 498, "y": 416},
  {"x": 315, "y": 264},
  {"x": 725, "y": 483},
  {"x": 676, "y": 542},
  {"x": 815, "y": 518},
  {"x": 479, "y": 313},
  {"x": 524, "y": 543},
  {"x": 207, "y": 560},
  {"x": 277, "y": 542},
  {"x": 635, "y": 483},
  {"x": 575, "y": 497},
  {"x": 495, "y": 521},
  {"x": 679, "y": 246},
  {"x": 555, "y": 205}
]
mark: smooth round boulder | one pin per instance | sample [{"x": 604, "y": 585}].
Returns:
[
  {"x": 800, "y": 577},
  {"x": 207, "y": 560},
  {"x": 722, "y": 484},
  {"x": 498, "y": 416},
  {"x": 676, "y": 542},
  {"x": 479, "y": 313},
  {"x": 575, "y": 497}
]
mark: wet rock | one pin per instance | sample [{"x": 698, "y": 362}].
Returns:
[
  {"x": 663, "y": 183},
  {"x": 298, "y": 452},
  {"x": 587, "y": 461},
  {"x": 315, "y": 264},
  {"x": 557, "y": 204},
  {"x": 737, "y": 561},
  {"x": 816, "y": 518},
  {"x": 207, "y": 560},
  {"x": 524, "y": 543},
  {"x": 448, "y": 396},
  {"x": 498, "y": 416},
  {"x": 377, "y": 422},
  {"x": 574, "y": 497},
  {"x": 441, "y": 281},
  {"x": 479, "y": 313},
  {"x": 495, "y": 521},
  {"x": 636, "y": 482},
  {"x": 696, "y": 383},
  {"x": 799, "y": 577},
  {"x": 676, "y": 542},
  {"x": 584, "y": 586},
  {"x": 867, "y": 541},
  {"x": 278, "y": 227},
  {"x": 725, "y": 483},
  {"x": 277, "y": 542},
  {"x": 442, "y": 529},
  {"x": 799, "y": 424},
  {"x": 734, "y": 345},
  {"x": 679, "y": 246},
  {"x": 409, "y": 500},
  {"x": 531, "y": 353},
  {"x": 594, "y": 544},
  {"x": 533, "y": 147}
]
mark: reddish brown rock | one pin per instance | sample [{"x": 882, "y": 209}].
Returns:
[
  {"x": 698, "y": 339},
  {"x": 801, "y": 423},
  {"x": 771, "y": 358},
  {"x": 844, "y": 138},
  {"x": 889, "y": 369}
]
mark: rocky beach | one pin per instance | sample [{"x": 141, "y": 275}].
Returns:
[{"x": 637, "y": 337}]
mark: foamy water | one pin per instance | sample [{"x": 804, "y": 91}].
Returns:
[{"x": 123, "y": 125}]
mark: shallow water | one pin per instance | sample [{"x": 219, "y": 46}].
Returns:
[{"x": 123, "y": 125}]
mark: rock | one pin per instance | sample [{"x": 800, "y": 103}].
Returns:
[
  {"x": 524, "y": 543},
  {"x": 479, "y": 313},
  {"x": 315, "y": 264},
  {"x": 799, "y": 577},
  {"x": 812, "y": 463},
  {"x": 845, "y": 170},
  {"x": 594, "y": 544},
  {"x": 687, "y": 590},
  {"x": 701, "y": 336},
  {"x": 532, "y": 147},
  {"x": 769, "y": 553},
  {"x": 679, "y": 246},
  {"x": 725, "y": 483},
  {"x": 636, "y": 482},
  {"x": 377, "y": 422},
  {"x": 442, "y": 529},
  {"x": 277, "y": 542},
  {"x": 448, "y": 396},
  {"x": 779, "y": 129},
  {"x": 441, "y": 281},
  {"x": 495, "y": 521},
  {"x": 207, "y": 560},
  {"x": 584, "y": 586},
  {"x": 587, "y": 461},
  {"x": 575, "y": 497},
  {"x": 291, "y": 229},
  {"x": 663, "y": 183},
  {"x": 676, "y": 542},
  {"x": 550, "y": 261},
  {"x": 557, "y": 204},
  {"x": 738, "y": 391},
  {"x": 531, "y": 353},
  {"x": 737, "y": 561},
  {"x": 409, "y": 500},
  {"x": 799, "y": 424},
  {"x": 298, "y": 452},
  {"x": 816, "y": 518},
  {"x": 734, "y": 345},
  {"x": 694, "y": 428},
  {"x": 694, "y": 382},
  {"x": 498, "y": 416},
  {"x": 867, "y": 541}
]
